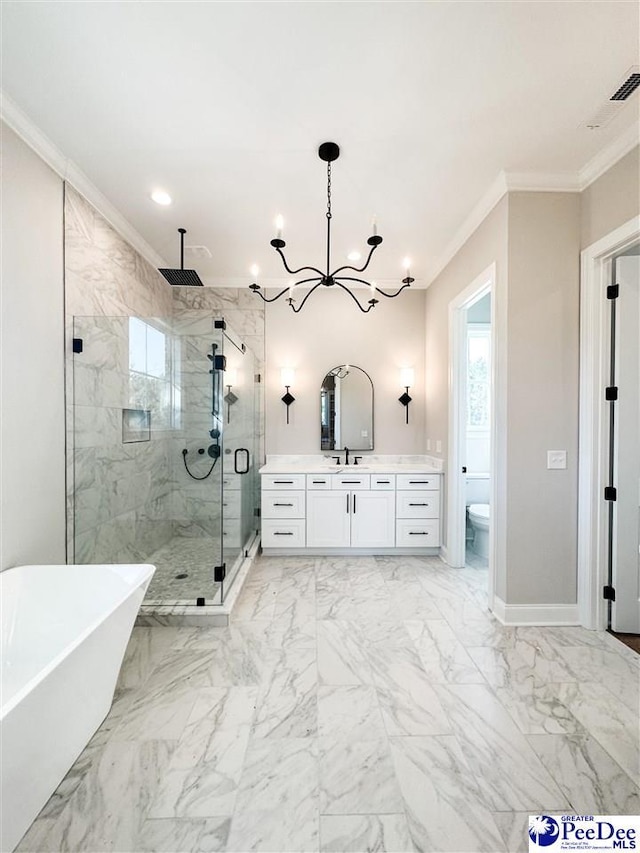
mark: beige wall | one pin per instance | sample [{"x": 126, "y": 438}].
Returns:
[
  {"x": 611, "y": 200},
  {"x": 32, "y": 517},
  {"x": 542, "y": 397},
  {"x": 330, "y": 331},
  {"x": 486, "y": 246}
]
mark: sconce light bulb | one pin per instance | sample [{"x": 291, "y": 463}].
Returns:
[
  {"x": 374, "y": 225},
  {"x": 406, "y": 263},
  {"x": 287, "y": 376},
  {"x": 407, "y": 377},
  {"x": 279, "y": 225},
  {"x": 255, "y": 269}
]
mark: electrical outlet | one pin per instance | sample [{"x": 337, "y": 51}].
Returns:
[
  {"x": 556, "y": 459},
  {"x": 438, "y": 447}
]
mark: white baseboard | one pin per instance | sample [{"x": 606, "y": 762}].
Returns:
[
  {"x": 444, "y": 554},
  {"x": 536, "y": 614}
]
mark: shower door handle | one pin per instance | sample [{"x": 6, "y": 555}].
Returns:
[{"x": 244, "y": 470}]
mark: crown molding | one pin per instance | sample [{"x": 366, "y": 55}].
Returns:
[
  {"x": 543, "y": 182},
  {"x": 609, "y": 156},
  {"x": 478, "y": 214},
  {"x": 63, "y": 166}
]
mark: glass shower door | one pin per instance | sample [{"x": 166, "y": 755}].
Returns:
[{"x": 239, "y": 469}]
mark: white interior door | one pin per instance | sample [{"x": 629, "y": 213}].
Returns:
[{"x": 625, "y": 610}]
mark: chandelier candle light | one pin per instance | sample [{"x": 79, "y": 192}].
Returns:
[{"x": 329, "y": 152}]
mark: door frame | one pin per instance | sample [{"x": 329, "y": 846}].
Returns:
[
  {"x": 456, "y": 481},
  {"x": 595, "y": 265}
]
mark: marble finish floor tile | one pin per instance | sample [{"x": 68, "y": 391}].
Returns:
[
  {"x": 501, "y": 759},
  {"x": 385, "y": 833},
  {"x": 357, "y": 777},
  {"x": 590, "y": 779},
  {"x": 352, "y": 704},
  {"x": 444, "y": 806}
]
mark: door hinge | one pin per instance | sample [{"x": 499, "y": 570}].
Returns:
[
  {"x": 257, "y": 379},
  {"x": 219, "y": 573},
  {"x": 78, "y": 344},
  {"x": 256, "y": 512},
  {"x": 611, "y": 393},
  {"x": 219, "y": 324},
  {"x": 610, "y": 493},
  {"x": 220, "y": 362},
  {"x": 608, "y": 593},
  {"x": 613, "y": 291},
  {"x": 200, "y": 602}
]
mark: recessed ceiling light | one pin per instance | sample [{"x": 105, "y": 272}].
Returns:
[
  {"x": 161, "y": 197},
  {"x": 354, "y": 256}
]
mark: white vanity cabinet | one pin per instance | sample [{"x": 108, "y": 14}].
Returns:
[
  {"x": 358, "y": 519},
  {"x": 350, "y": 512}
]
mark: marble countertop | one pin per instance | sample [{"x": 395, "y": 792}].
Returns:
[{"x": 333, "y": 468}]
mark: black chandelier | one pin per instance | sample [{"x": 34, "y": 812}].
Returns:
[{"x": 330, "y": 151}]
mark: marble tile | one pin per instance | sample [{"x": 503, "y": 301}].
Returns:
[
  {"x": 357, "y": 777},
  {"x": 183, "y": 836},
  {"x": 384, "y": 833},
  {"x": 445, "y": 811},
  {"x": 350, "y": 711},
  {"x": 280, "y": 774},
  {"x": 537, "y": 710},
  {"x": 289, "y": 829},
  {"x": 606, "y": 719},
  {"x": 609, "y": 668},
  {"x": 442, "y": 655},
  {"x": 590, "y": 779},
  {"x": 341, "y": 654},
  {"x": 287, "y": 705},
  {"x": 146, "y": 648},
  {"x": 97, "y": 816},
  {"x": 514, "y": 828},
  {"x": 408, "y": 702},
  {"x": 511, "y": 775}
]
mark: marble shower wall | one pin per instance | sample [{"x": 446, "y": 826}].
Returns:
[
  {"x": 118, "y": 495},
  {"x": 127, "y": 500}
]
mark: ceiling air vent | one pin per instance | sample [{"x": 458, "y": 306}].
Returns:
[
  {"x": 628, "y": 87},
  {"x": 198, "y": 251},
  {"x": 610, "y": 109}
]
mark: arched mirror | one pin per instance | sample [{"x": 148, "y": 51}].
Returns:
[{"x": 346, "y": 409}]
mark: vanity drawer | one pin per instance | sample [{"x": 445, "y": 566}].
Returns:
[
  {"x": 283, "y": 481},
  {"x": 231, "y": 501},
  {"x": 283, "y": 504},
  {"x": 418, "y": 481},
  {"x": 417, "y": 534},
  {"x": 417, "y": 504},
  {"x": 383, "y": 481},
  {"x": 319, "y": 481},
  {"x": 350, "y": 482},
  {"x": 283, "y": 534}
]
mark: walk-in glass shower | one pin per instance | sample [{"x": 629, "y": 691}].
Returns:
[{"x": 165, "y": 428}]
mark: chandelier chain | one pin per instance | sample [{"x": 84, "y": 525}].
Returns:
[{"x": 329, "y": 190}]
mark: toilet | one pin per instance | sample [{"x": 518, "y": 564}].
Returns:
[
  {"x": 477, "y": 500},
  {"x": 479, "y": 520}
]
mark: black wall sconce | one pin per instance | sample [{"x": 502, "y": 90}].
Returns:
[
  {"x": 287, "y": 375},
  {"x": 407, "y": 380}
]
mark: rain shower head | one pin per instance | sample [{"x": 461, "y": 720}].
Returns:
[{"x": 190, "y": 278}]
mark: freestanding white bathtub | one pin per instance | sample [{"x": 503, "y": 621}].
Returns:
[{"x": 64, "y": 634}]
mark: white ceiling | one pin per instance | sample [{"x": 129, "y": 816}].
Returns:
[{"x": 224, "y": 105}]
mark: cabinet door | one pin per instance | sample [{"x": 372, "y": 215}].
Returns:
[
  {"x": 373, "y": 521},
  {"x": 328, "y": 519}
]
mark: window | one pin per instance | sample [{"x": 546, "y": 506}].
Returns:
[
  {"x": 478, "y": 376},
  {"x": 152, "y": 369}
]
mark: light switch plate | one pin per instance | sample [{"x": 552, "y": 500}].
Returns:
[
  {"x": 438, "y": 447},
  {"x": 556, "y": 459}
]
